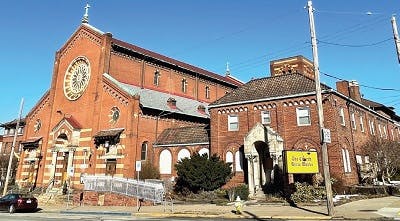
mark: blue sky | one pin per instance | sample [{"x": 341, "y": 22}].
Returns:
[{"x": 247, "y": 34}]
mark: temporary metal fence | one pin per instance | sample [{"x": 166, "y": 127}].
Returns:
[{"x": 130, "y": 187}]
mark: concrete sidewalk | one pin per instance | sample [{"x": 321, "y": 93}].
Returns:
[{"x": 361, "y": 209}]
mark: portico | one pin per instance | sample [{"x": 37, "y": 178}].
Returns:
[{"x": 263, "y": 149}]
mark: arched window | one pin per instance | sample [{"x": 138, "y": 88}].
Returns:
[
  {"x": 229, "y": 158},
  {"x": 207, "y": 92},
  {"x": 184, "y": 153},
  {"x": 156, "y": 80},
  {"x": 238, "y": 161},
  {"x": 143, "y": 155},
  {"x": 165, "y": 162},
  {"x": 184, "y": 85},
  {"x": 203, "y": 151}
]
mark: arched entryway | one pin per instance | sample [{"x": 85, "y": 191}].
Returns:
[
  {"x": 263, "y": 149},
  {"x": 62, "y": 160}
]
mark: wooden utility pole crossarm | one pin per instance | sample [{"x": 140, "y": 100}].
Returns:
[{"x": 325, "y": 162}]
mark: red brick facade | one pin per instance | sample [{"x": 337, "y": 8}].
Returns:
[
  {"x": 65, "y": 140},
  {"x": 345, "y": 138}
]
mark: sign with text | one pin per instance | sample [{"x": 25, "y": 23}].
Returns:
[
  {"x": 301, "y": 162},
  {"x": 326, "y": 135},
  {"x": 138, "y": 165}
]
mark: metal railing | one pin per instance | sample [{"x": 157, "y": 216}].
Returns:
[{"x": 130, "y": 187}]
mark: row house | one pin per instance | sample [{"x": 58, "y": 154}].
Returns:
[
  {"x": 10, "y": 131},
  {"x": 253, "y": 125}
]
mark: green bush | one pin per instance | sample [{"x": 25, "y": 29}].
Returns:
[
  {"x": 242, "y": 191},
  {"x": 199, "y": 173}
]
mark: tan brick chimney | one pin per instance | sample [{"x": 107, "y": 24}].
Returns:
[{"x": 296, "y": 64}]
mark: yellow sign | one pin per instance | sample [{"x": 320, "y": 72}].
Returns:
[{"x": 301, "y": 162}]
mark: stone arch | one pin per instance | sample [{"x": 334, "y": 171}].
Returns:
[{"x": 306, "y": 144}]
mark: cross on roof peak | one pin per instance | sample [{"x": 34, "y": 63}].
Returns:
[{"x": 85, "y": 18}]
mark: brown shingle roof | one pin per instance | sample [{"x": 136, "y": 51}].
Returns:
[
  {"x": 183, "y": 135},
  {"x": 109, "y": 133},
  {"x": 270, "y": 87}
]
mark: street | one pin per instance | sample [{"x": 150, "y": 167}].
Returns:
[{"x": 40, "y": 216}]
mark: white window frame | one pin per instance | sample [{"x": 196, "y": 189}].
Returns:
[
  {"x": 207, "y": 92},
  {"x": 353, "y": 121},
  {"x": 238, "y": 161},
  {"x": 341, "y": 115},
  {"x": 371, "y": 127},
  {"x": 233, "y": 120},
  {"x": 265, "y": 117},
  {"x": 362, "y": 124},
  {"x": 380, "y": 130},
  {"x": 229, "y": 158},
  {"x": 346, "y": 161},
  {"x": 359, "y": 159},
  {"x": 385, "y": 131},
  {"x": 300, "y": 114}
]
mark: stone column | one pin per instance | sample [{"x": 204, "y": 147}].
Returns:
[{"x": 250, "y": 175}]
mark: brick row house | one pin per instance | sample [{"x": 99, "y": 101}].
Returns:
[
  {"x": 6, "y": 142},
  {"x": 111, "y": 104},
  {"x": 253, "y": 125}
]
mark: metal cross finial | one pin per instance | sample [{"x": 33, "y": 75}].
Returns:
[
  {"x": 228, "y": 72},
  {"x": 85, "y": 18}
]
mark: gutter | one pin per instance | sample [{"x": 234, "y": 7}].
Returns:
[
  {"x": 183, "y": 144},
  {"x": 305, "y": 94}
]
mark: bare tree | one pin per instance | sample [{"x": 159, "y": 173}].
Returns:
[{"x": 384, "y": 157}]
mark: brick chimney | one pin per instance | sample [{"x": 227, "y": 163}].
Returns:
[
  {"x": 354, "y": 90},
  {"x": 296, "y": 64},
  {"x": 349, "y": 89}
]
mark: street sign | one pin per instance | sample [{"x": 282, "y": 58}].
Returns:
[
  {"x": 138, "y": 165},
  {"x": 326, "y": 135}
]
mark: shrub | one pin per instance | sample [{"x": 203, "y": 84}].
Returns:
[
  {"x": 242, "y": 191},
  {"x": 149, "y": 171},
  {"x": 307, "y": 193},
  {"x": 200, "y": 173}
]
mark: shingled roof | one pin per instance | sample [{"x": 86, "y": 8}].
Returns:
[
  {"x": 270, "y": 87},
  {"x": 183, "y": 136}
]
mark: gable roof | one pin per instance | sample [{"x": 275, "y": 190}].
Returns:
[
  {"x": 179, "y": 64},
  {"x": 194, "y": 135},
  {"x": 270, "y": 87},
  {"x": 159, "y": 100}
]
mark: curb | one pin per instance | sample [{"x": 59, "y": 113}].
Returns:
[{"x": 96, "y": 213}]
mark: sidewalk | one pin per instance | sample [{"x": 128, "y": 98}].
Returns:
[{"x": 362, "y": 209}]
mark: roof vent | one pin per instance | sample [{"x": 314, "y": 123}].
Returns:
[
  {"x": 171, "y": 102},
  {"x": 201, "y": 108}
]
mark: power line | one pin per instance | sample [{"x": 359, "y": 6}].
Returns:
[
  {"x": 362, "y": 85},
  {"x": 355, "y": 45}
]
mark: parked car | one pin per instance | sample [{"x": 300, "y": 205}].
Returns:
[{"x": 14, "y": 201}]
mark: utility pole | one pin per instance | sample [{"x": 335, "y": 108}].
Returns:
[
  {"x": 396, "y": 37},
  {"x": 325, "y": 163},
  {"x": 12, "y": 148}
]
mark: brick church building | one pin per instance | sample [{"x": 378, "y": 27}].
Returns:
[
  {"x": 110, "y": 104},
  {"x": 253, "y": 125}
]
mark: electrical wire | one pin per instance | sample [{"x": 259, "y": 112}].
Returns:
[
  {"x": 354, "y": 45},
  {"x": 362, "y": 85}
]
